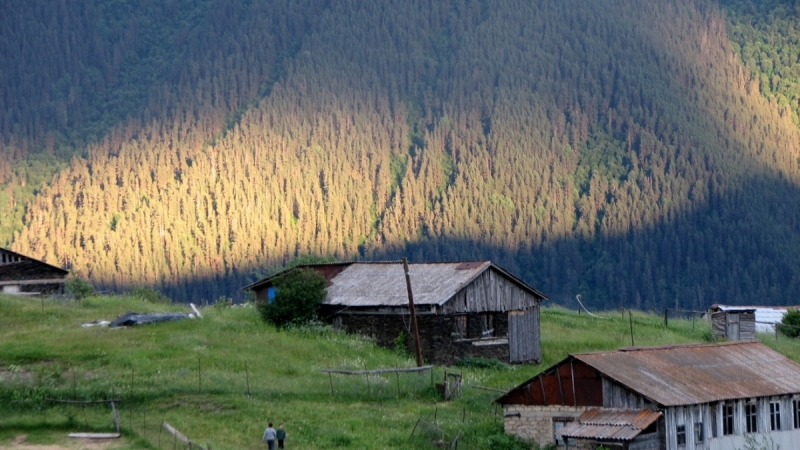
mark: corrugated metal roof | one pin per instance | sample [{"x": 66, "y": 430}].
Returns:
[
  {"x": 610, "y": 424},
  {"x": 384, "y": 284},
  {"x": 701, "y": 373}
]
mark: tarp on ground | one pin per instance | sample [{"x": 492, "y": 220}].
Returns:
[{"x": 130, "y": 319}]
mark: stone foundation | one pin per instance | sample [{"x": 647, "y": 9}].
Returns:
[
  {"x": 438, "y": 341},
  {"x": 535, "y": 423}
]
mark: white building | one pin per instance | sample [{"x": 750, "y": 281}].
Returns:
[{"x": 682, "y": 397}]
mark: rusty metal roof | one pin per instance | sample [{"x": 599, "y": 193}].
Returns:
[
  {"x": 384, "y": 284},
  {"x": 610, "y": 424},
  {"x": 699, "y": 373}
]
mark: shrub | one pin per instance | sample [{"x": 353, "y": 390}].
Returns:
[
  {"x": 792, "y": 318},
  {"x": 149, "y": 295},
  {"x": 78, "y": 287},
  {"x": 481, "y": 363},
  {"x": 502, "y": 441},
  {"x": 401, "y": 345},
  {"x": 299, "y": 293}
]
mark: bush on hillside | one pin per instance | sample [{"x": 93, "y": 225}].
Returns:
[
  {"x": 502, "y": 441},
  {"x": 149, "y": 295},
  {"x": 792, "y": 319},
  {"x": 299, "y": 293},
  {"x": 78, "y": 287}
]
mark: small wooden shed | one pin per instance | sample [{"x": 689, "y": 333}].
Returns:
[
  {"x": 23, "y": 275},
  {"x": 463, "y": 308},
  {"x": 734, "y": 324}
]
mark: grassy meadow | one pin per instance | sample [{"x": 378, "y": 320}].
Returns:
[{"x": 221, "y": 378}]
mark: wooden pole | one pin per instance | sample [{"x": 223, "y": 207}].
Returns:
[
  {"x": 414, "y": 325},
  {"x": 199, "y": 380},
  {"x": 330, "y": 377},
  {"x": 74, "y": 386},
  {"x": 397, "y": 375},
  {"x": 247, "y": 377},
  {"x": 666, "y": 318},
  {"x": 130, "y": 396},
  {"x": 369, "y": 390},
  {"x": 630, "y": 317}
]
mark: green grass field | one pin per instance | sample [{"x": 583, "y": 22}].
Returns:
[{"x": 221, "y": 378}]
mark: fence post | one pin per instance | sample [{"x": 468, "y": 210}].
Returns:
[
  {"x": 247, "y": 377},
  {"x": 369, "y": 390},
  {"x": 199, "y": 380},
  {"x": 630, "y": 318},
  {"x": 666, "y": 318}
]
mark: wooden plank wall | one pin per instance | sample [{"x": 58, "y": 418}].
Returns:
[
  {"x": 618, "y": 396},
  {"x": 556, "y": 387},
  {"x": 523, "y": 335},
  {"x": 490, "y": 291},
  {"x": 747, "y": 325}
]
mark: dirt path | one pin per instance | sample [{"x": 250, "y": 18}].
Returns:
[{"x": 69, "y": 444}]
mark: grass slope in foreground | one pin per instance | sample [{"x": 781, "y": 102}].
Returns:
[{"x": 195, "y": 375}]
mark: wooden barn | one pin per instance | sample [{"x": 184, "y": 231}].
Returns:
[
  {"x": 463, "y": 308},
  {"x": 23, "y": 275},
  {"x": 682, "y": 397}
]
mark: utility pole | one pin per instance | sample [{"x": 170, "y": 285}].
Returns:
[{"x": 414, "y": 326}]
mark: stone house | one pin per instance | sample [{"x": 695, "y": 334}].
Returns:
[
  {"x": 463, "y": 308},
  {"x": 681, "y": 397},
  {"x": 23, "y": 275}
]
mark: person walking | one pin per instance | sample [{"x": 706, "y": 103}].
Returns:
[
  {"x": 269, "y": 436},
  {"x": 281, "y": 435}
]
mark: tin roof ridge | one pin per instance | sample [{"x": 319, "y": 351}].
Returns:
[{"x": 640, "y": 348}]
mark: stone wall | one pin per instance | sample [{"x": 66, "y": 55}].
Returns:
[
  {"x": 535, "y": 423},
  {"x": 437, "y": 340}
]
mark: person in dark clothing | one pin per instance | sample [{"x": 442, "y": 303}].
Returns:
[{"x": 281, "y": 435}]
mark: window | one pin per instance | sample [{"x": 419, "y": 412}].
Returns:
[
  {"x": 487, "y": 325},
  {"x": 727, "y": 419},
  {"x": 271, "y": 292},
  {"x": 698, "y": 432},
  {"x": 796, "y": 412},
  {"x": 751, "y": 417},
  {"x": 775, "y": 415},
  {"x": 681, "y": 434},
  {"x": 558, "y": 424},
  {"x": 460, "y": 327}
]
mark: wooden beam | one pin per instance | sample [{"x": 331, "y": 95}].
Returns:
[
  {"x": 414, "y": 325},
  {"x": 94, "y": 435},
  {"x": 560, "y": 387},
  {"x": 544, "y": 395},
  {"x": 572, "y": 378},
  {"x": 377, "y": 371}
]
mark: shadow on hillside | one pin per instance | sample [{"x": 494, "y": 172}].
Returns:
[{"x": 718, "y": 253}]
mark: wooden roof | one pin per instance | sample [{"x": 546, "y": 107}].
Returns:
[
  {"x": 9, "y": 260},
  {"x": 375, "y": 284}
]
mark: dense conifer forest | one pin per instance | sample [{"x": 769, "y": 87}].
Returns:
[{"x": 643, "y": 153}]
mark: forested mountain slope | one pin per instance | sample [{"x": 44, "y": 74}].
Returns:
[{"x": 616, "y": 149}]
